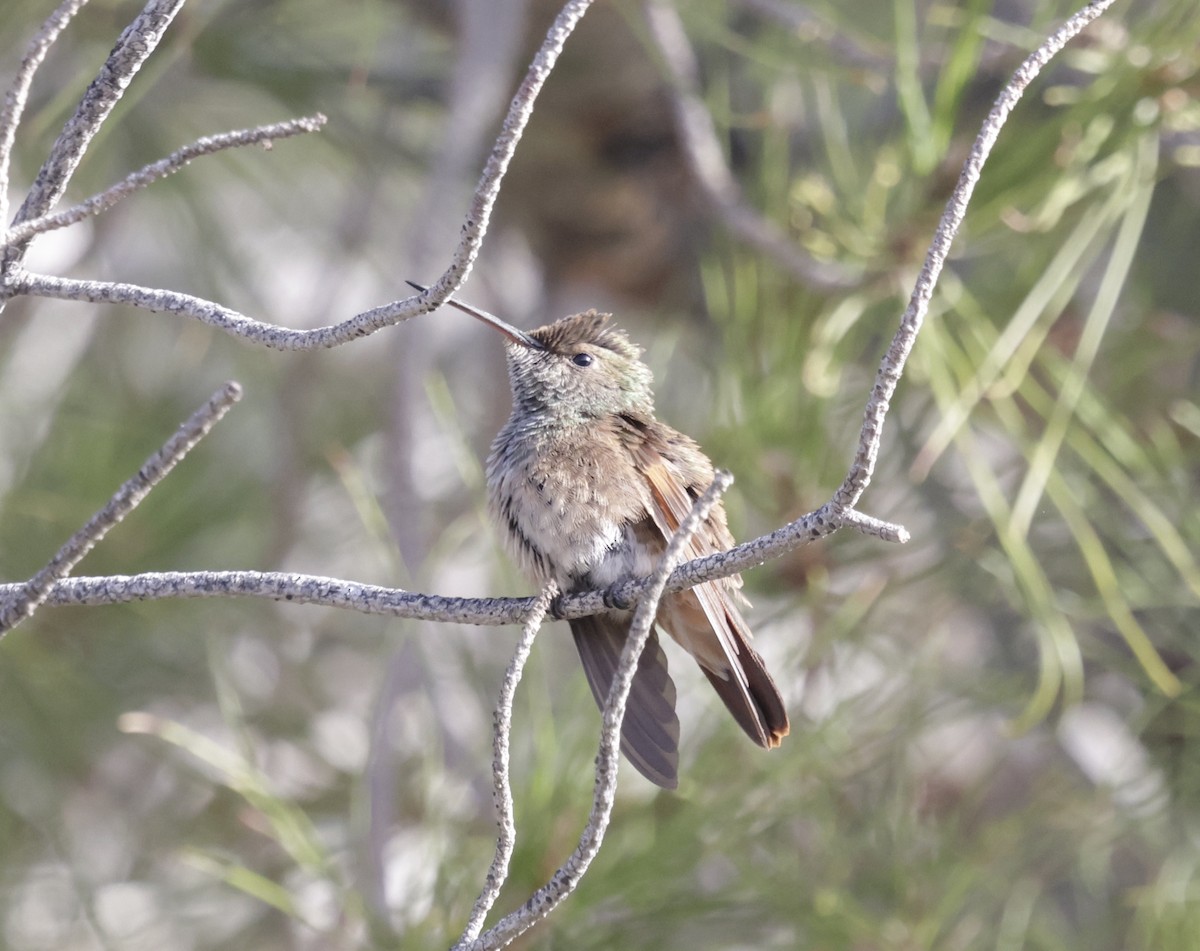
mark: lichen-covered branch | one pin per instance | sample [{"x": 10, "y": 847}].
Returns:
[
  {"x": 208, "y": 145},
  {"x": 396, "y": 602},
  {"x": 506, "y": 839},
  {"x": 18, "y": 93},
  {"x": 133, "y": 48},
  {"x": 18, "y": 281}
]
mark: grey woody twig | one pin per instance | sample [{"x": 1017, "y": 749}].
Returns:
[
  {"x": 280, "y": 338},
  {"x": 488, "y": 189},
  {"x": 368, "y": 322},
  {"x": 134, "y": 46},
  {"x": 506, "y": 839},
  {"x": 564, "y": 881},
  {"x": 18, "y": 93},
  {"x": 20, "y": 603},
  {"x": 260, "y": 135},
  {"x": 396, "y": 602},
  {"x": 892, "y": 366}
]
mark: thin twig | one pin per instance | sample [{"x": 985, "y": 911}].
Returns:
[
  {"x": 488, "y": 190},
  {"x": 18, "y": 93},
  {"x": 21, "y": 603},
  {"x": 501, "y": 784},
  {"x": 876, "y": 528},
  {"x": 564, "y": 881},
  {"x": 702, "y": 150},
  {"x": 133, "y": 47},
  {"x": 151, "y": 173},
  {"x": 892, "y": 366}
]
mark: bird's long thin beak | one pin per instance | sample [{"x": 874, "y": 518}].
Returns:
[{"x": 519, "y": 337}]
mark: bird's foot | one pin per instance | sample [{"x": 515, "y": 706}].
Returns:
[
  {"x": 557, "y": 609},
  {"x": 615, "y": 600}
]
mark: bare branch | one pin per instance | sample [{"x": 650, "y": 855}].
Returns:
[
  {"x": 890, "y": 370},
  {"x": 396, "y": 602},
  {"x": 564, "y": 881},
  {"x": 133, "y": 47},
  {"x": 501, "y": 786},
  {"x": 702, "y": 149},
  {"x": 21, "y": 603},
  {"x": 18, "y": 93},
  {"x": 877, "y": 528},
  {"x": 186, "y": 305},
  {"x": 368, "y": 322},
  {"x": 488, "y": 190},
  {"x": 264, "y": 134}
]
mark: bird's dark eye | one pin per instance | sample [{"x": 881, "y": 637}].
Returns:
[{"x": 582, "y": 359}]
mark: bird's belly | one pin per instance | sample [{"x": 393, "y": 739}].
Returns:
[
  {"x": 576, "y": 544},
  {"x": 567, "y": 528}
]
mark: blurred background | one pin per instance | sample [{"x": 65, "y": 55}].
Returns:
[{"x": 996, "y": 728}]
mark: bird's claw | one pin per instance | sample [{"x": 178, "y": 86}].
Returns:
[
  {"x": 557, "y": 609},
  {"x": 615, "y": 600}
]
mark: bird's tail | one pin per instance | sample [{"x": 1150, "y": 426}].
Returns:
[
  {"x": 650, "y": 731},
  {"x": 707, "y": 624}
]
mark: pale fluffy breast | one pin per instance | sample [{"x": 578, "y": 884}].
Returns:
[{"x": 567, "y": 511}]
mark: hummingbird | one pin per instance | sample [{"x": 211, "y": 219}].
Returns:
[{"x": 586, "y": 487}]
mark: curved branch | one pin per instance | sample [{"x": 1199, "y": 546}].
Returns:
[
  {"x": 151, "y": 173},
  {"x": 892, "y": 366},
  {"x": 368, "y": 322},
  {"x": 501, "y": 786},
  {"x": 488, "y": 190}
]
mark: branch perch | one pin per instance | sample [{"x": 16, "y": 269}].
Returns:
[{"x": 396, "y": 602}]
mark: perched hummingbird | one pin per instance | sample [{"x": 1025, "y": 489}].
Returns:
[{"x": 587, "y": 487}]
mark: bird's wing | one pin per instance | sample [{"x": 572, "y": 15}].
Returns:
[
  {"x": 672, "y": 495},
  {"x": 705, "y": 620}
]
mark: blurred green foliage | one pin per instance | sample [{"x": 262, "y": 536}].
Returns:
[{"x": 996, "y": 727}]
